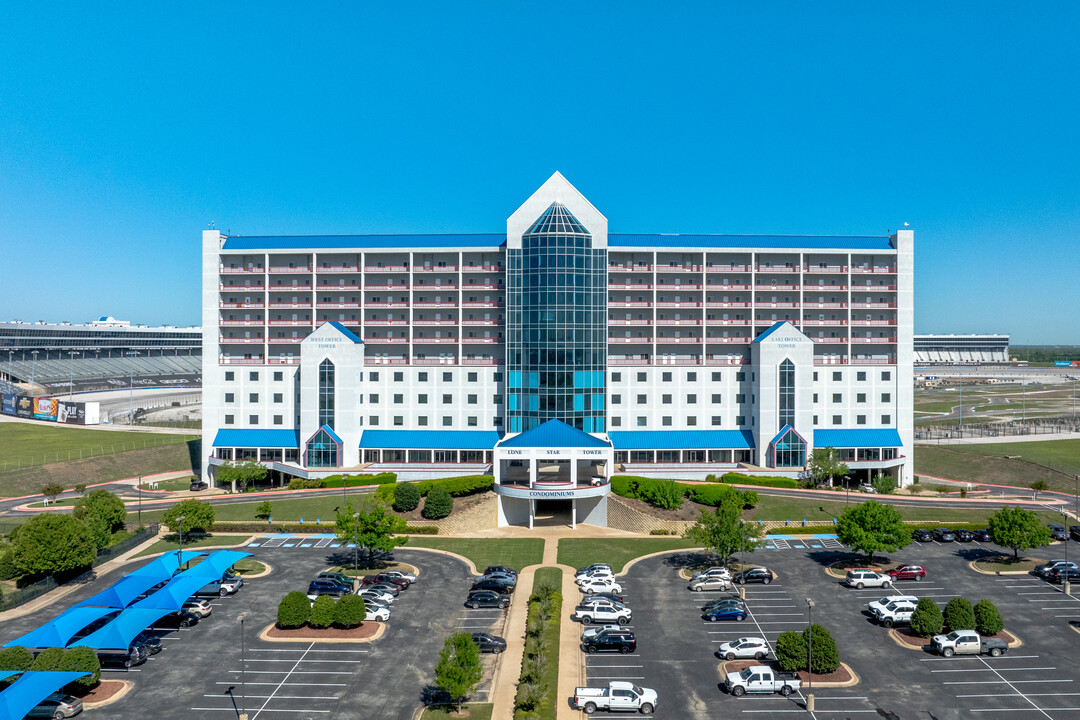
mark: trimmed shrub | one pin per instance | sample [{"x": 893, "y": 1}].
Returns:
[
  {"x": 293, "y": 610},
  {"x": 666, "y": 494},
  {"x": 711, "y": 495},
  {"x": 305, "y": 484},
  {"x": 406, "y": 497},
  {"x": 437, "y": 504},
  {"x": 48, "y": 659},
  {"x": 16, "y": 658},
  {"x": 660, "y": 531},
  {"x": 622, "y": 486},
  {"x": 884, "y": 485},
  {"x": 322, "y": 612},
  {"x": 386, "y": 493},
  {"x": 350, "y": 611},
  {"x": 458, "y": 486},
  {"x": 790, "y": 651},
  {"x": 197, "y": 514},
  {"x": 987, "y": 618},
  {"x": 8, "y": 571},
  {"x": 764, "y": 481},
  {"x": 927, "y": 619},
  {"x": 82, "y": 659},
  {"x": 825, "y": 658},
  {"x": 422, "y": 530},
  {"x": 959, "y": 615},
  {"x": 750, "y": 498}
]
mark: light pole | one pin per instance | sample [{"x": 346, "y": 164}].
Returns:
[
  {"x": 71, "y": 364},
  {"x": 1023, "y": 397},
  {"x": 810, "y": 653},
  {"x": 180, "y": 552},
  {"x": 243, "y": 669},
  {"x": 33, "y": 370},
  {"x": 131, "y": 388},
  {"x": 356, "y": 544},
  {"x": 961, "y": 402}
]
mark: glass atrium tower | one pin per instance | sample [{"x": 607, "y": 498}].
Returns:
[{"x": 556, "y": 326}]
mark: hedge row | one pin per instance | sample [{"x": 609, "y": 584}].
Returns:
[
  {"x": 297, "y": 529},
  {"x": 455, "y": 486},
  {"x": 655, "y": 490},
  {"x": 295, "y": 611},
  {"x": 77, "y": 659},
  {"x": 336, "y": 481},
  {"x": 762, "y": 481}
]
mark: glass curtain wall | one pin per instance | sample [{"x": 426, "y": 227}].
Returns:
[
  {"x": 786, "y": 402},
  {"x": 556, "y": 326},
  {"x": 322, "y": 450},
  {"x": 326, "y": 394}
]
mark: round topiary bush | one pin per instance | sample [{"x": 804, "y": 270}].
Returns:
[
  {"x": 927, "y": 619},
  {"x": 293, "y": 611},
  {"x": 987, "y": 618},
  {"x": 322, "y": 612},
  {"x": 16, "y": 658},
  {"x": 825, "y": 657},
  {"x": 437, "y": 504},
  {"x": 406, "y": 497},
  {"x": 959, "y": 615},
  {"x": 82, "y": 659},
  {"x": 48, "y": 659},
  {"x": 791, "y": 651},
  {"x": 350, "y": 611}
]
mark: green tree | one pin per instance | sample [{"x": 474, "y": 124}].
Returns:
[
  {"x": 872, "y": 528},
  {"x": 99, "y": 530},
  {"x": 825, "y": 657},
  {"x": 16, "y": 658},
  {"x": 51, "y": 491},
  {"x": 51, "y": 543},
  {"x": 1039, "y": 486},
  {"x": 722, "y": 529},
  {"x": 240, "y": 472},
  {"x": 104, "y": 504},
  {"x": 790, "y": 651},
  {"x": 197, "y": 514},
  {"x": 48, "y": 659},
  {"x": 884, "y": 484},
  {"x": 959, "y": 615},
  {"x": 1017, "y": 528},
  {"x": 293, "y": 610},
  {"x": 406, "y": 497},
  {"x": 374, "y": 528},
  {"x": 322, "y": 612},
  {"x": 458, "y": 671},
  {"x": 82, "y": 659},
  {"x": 927, "y": 619},
  {"x": 824, "y": 465},
  {"x": 437, "y": 504},
  {"x": 265, "y": 510},
  {"x": 350, "y": 611},
  {"x": 81, "y": 489},
  {"x": 987, "y": 618}
]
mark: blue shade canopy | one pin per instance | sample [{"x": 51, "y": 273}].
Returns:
[
  {"x": 215, "y": 566},
  {"x": 5, "y": 674},
  {"x": 429, "y": 439},
  {"x": 57, "y": 632},
  {"x": 173, "y": 594},
  {"x": 122, "y": 629},
  {"x": 554, "y": 434},
  {"x": 164, "y": 566},
  {"x": 27, "y": 692},
  {"x": 125, "y": 590},
  {"x": 682, "y": 439},
  {"x": 858, "y": 438}
]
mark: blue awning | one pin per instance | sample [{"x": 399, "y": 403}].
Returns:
[
  {"x": 124, "y": 591},
  {"x": 257, "y": 438},
  {"x": 165, "y": 566},
  {"x": 554, "y": 434},
  {"x": 682, "y": 440},
  {"x": 215, "y": 566},
  {"x": 429, "y": 439},
  {"x": 27, "y": 692},
  {"x": 858, "y": 438},
  {"x": 122, "y": 629},
  {"x": 57, "y": 632},
  {"x": 173, "y": 594}
]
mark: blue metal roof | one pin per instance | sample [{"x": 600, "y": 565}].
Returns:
[
  {"x": 27, "y": 692},
  {"x": 682, "y": 439},
  {"x": 57, "y": 632},
  {"x": 215, "y": 566},
  {"x": 775, "y": 326},
  {"x": 858, "y": 438},
  {"x": 772, "y": 242},
  {"x": 119, "y": 633},
  {"x": 370, "y": 242},
  {"x": 346, "y": 332},
  {"x": 429, "y": 439},
  {"x": 257, "y": 438},
  {"x": 554, "y": 434}
]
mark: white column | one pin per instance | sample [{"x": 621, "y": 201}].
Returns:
[
  {"x": 497, "y": 471},
  {"x": 573, "y": 513},
  {"x": 573, "y": 471},
  {"x": 532, "y": 512},
  {"x": 532, "y": 473}
]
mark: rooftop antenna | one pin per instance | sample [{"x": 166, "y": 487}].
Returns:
[
  {"x": 906, "y": 225},
  {"x": 210, "y": 224}
]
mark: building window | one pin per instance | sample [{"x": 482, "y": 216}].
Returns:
[
  {"x": 253, "y": 376},
  {"x": 860, "y": 397},
  {"x": 230, "y": 376},
  {"x": 886, "y": 419},
  {"x": 399, "y": 398},
  {"x": 740, "y": 398},
  {"x": 666, "y": 421},
  {"x": 399, "y": 421},
  {"x": 815, "y": 398},
  {"x": 740, "y": 419},
  {"x": 860, "y": 419},
  {"x": 448, "y": 399},
  {"x": 837, "y": 376},
  {"x": 691, "y": 377},
  {"x": 471, "y": 399},
  {"x": 422, "y": 421},
  {"x": 278, "y": 376},
  {"x": 886, "y": 397},
  {"x": 861, "y": 376},
  {"x": 886, "y": 375},
  {"x": 471, "y": 421},
  {"x": 717, "y": 398},
  {"x": 373, "y": 420},
  {"x": 471, "y": 377},
  {"x": 815, "y": 420},
  {"x": 641, "y": 377},
  {"x": 786, "y": 394},
  {"x": 498, "y": 377},
  {"x": 497, "y": 399},
  {"x": 691, "y": 399},
  {"x": 691, "y": 421},
  {"x": 229, "y": 420},
  {"x": 279, "y": 398},
  {"x": 322, "y": 450},
  {"x": 665, "y": 399},
  {"x": 642, "y": 399},
  {"x": 716, "y": 377},
  {"x": 448, "y": 377},
  {"x": 229, "y": 397},
  {"x": 616, "y": 399},
  {"x": 789, "y": 451},
  {"x": 740, "y": 377},
  {"x": 815, "y": 377},
  {"x": 373, "y": 377},
  {"x": 279, "y": 419},
  {"x": 665, "y": 377},
  {"x": 616, "y": 422},
  {"x": 373, "y": 398},
  {"x": 837, "y": 397},
  {"x": 716, "y": 420},
  {"x": 253, "y": 397},
  {"x": 253, "y": 419},
  {"x": 837, "y": 420},
  {"x": 642, "y": 421},
  {"x": 616, "y": 377},
  {"x": 399, "y": 377},
  {"x": 327, "y": 388},
  {"x": 447, "y": 421},
  {"x": 421, "y": 399},
  {"x": 421, "y": 377}
]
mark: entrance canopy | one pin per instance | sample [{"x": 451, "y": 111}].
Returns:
[
  {"x": 57, "y": 632},
  {"x": 119, "y": 633},
  {"x": 27, "y": 692},
  {"x": 554, "y": 434}
]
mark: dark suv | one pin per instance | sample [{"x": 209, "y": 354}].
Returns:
[
  {"x": 135, "y": 655},
  {"x": 611, "y": 641},
  {"x": 489, "y": 643},
  {"x": 920, "y": 535},
  {"x": 384, "y": 579},
  {"x": 493, "y": 584},
  {"x": 942, "y": 534},
  {"x": 757, "y": 574},
  {"x": 1057, "y": 532},
  {"x": 197, "y": 485},
  {"x": 327, "y": 587},
  {"x": 340, "y": 578}
]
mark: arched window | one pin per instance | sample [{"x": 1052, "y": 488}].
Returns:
[
  {"x": 326, "y": 393},
  {"x": 786, "y": 401}
]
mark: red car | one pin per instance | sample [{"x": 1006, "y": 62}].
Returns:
[
  {"x": 381, "y": 578},
  {"x": 908, "y": 572}
]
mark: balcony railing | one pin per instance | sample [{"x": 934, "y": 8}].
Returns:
[
  {"x": 628, "y": 303},
  {"x": 836, "y": 305},
  {"x": 240, "y": 304},
  {"x": 284, "y": 361},
  {"x": 775, "y": 269},
  {"x": 660, "y": 339},
  {"x": 891, "y": 360},
  {"x": 683, "y": 321},
  {"x": 481, "y": 340},
  {"x": 887, "y": 323},
  {"x": 384, "y": 287},
  {"x": 306, "y": 305},
  {"x": 737, "y": 339},
  {"x": 241, "y": 288},
  {"x": 241, "y": 341},
  {"x": 629, "y": 286},
  {"x": 725, "y": 304},
  {"x": 397, "y": 322},
  {"x": 678, "y": 303},
  {"x": 302, "y": 321},
  {"x": 828, "y": 269},
  {"x": 241, "y": 361},
  {"x": 325, "y": 304},
  {"x": 435, "y": 303},
  {"x": 386, "y": 361},
  {"x": 486, "y": 321},
  {"x": 327, "y": 286},
  {"x": 481, "y": 268},
  {"x": 434, "y": 361},
  {"x": 285, "y": 340},
  {"x": 479, "y": 286},
  {"x": 721, "y": 287},
  {"x": 878, "y": 269},
  {"x": 830, "y": 361},
  {"x": 883, "y": 305},
  {"x": 429, "y": 340},
  {"x": 759, "y": 286},
  {"x": 279, "y": 270},
  {"x": 629, "y": 268},
  {"x": 385, "y": 304},
  {"x": 481, "y": 303},
  {"x": 725, "y": 321},
  {"x": 435, "y": 268},
  {"x": 329, "y": 269},
  {"x": 873, "y": 288},
  {"x": 676, "y": 287},
  {"x": 628, "y": 361},
  {"x": 244, "y": 323},
  {"x": 830, "y": 340},
  {"x": 728, "y": 268},
  {"x": 623, "y": 321},
  {"x": 825, "y": 323},
  {"x": 385, "y": 340},
  {"x": 241, "y": 270},
  {"x": 289, "y": 288},
  {"x": 777, "y": 304},
  {"x": 386, "y": 269},
  {"x": 677, "y": 268},
  {"x": 808, "y": 287},
  {"x": 623, "y": 340},
  {"x": 724, "y": 360},
  {"x": 446, "y": 321},
  {"x": 480, "y": 361},
  {"x": 882, "y": 340}
]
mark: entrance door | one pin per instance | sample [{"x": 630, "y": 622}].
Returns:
[{"x": 552, "y": 513}]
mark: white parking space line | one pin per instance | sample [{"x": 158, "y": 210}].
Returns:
[
  {"x": 232, "y": 710},
  {"x": 323, "y": 543},
  {"x": 296, "y": 684},
  {"x": 288, "y": 697},
  {"x": 990, "y": 669},
  {"x": 1018, "y": 695},
  {"x": 1002, "y": 681},
  {"x": 350, "y": 662},
  {"x": 298, "y": 652},
  {"x": 961, "y": 657}
]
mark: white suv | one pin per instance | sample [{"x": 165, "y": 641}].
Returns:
[
  {"x": 867, "y": 578},
  {"x": 884, "y": 602},
  {"x": 895, "y": 613}
]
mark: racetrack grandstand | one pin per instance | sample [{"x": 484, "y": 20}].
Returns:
[{"x": 43, "y": 358}]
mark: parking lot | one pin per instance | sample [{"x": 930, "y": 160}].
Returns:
[
  {"x": 201, "y": 672},
  {"x": 675, "y": 655}
]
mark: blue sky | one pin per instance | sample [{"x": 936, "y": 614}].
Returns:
[{"x": 126, "y": 127}]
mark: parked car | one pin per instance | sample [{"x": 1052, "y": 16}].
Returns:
[
  {"x": 598, "y": 574},
  {"x": 713, "y": 572},
  {"x": 495, "y": 584},
  {"x": 149, "y": 640},
  {"x": 762, "y": 680},
  {"x": 376, "y": 613},
  {"x": 594, "y": 566},
  {"x": 487, "y": 598},
  {"x": 747, "y": 647},
  {"x": 388, "y": 588},
  {"x": 859, "y": 579},
  {"x": 408, "y": 577},
  {"x": 370, "y": 601},
  {"x": 982, "y": 535},
  {"x": 1074, "y": 530},
  {"x": 615, "y": 597},
  {"x": 594, "y": 629},
  {"x": 1062, "y": 574},
  {"x": 57, "y": 706},
  {"x": 326, "y": 587},
  {"x": 622, "y": 641},
  {"x": 943, "y": 534},
  {"x": 756, "y": 574},
  {"x": 501, "y": 577},
  {"x": 722, "y": 602},
  {"x": 202, "y": 608},
  {"x": 605, "y": 612},
  {"x": 490, "y": 569},
  {"x": 710, "y": 583},
  {"x": 227, "y": 585},
  {"x": 197, "y": 485},
  {"x": 1058, "y": 532},
  {"x": 867, "y": 488},
  {"x": 618, "y": 695},
  {"x": 370, "y": 595},
  {"x": 182, "y": 619},
  {"x": 1045, "y": 569},
  {"x": 135, "y": 655},
  {"x": 921, "y": 535},
  {"x": 340, "y": 578},
  {"x": 489, "y": 643},
  {"x": 385, "y": 578},
  {"x": 727, "y": 612},
  {"x": 876, "y": 605},
  {"x": 908, "y": 572},
  {"x": 600, "y": 585},
  {"x": 895, "y": 613},
  {"x": 963, "y": 535},
  {"x": 967, "y": 642}
]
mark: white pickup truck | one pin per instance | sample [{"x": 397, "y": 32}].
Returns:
[
  {"x": 617, "y": 695},
  {"x": 761, "y": 679},
  {"x": 967, "y": 642},
  {"x": 604, "y": 611}
]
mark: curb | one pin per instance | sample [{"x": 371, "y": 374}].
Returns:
[
  {"x": 116, "y": 697},
  {"x": 855, "y": 679},
  {"x": 264, "y": 636},
  {"x": 467, "y": 561},
  {"x": 898, "y": 639},
  {"x": 269, "y": 569},
  {"x": 997, "y": 572}
]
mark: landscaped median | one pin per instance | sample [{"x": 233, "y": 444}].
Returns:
[{"x": 537, "y": 692}]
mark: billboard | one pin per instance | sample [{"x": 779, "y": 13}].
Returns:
[
  {"x": 45, "y": 408},
  {"x": 71, "y": 412},
  {"x": 24, "y": 406},
  {"x": 1063, "y": 363},
  {"x": 8, "y": 407}
]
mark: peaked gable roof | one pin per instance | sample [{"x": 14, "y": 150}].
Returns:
[
  {"x": 775, "y": 326},
  {"x": 345, "y": 331},
  {"x": 554, "y": 434}
]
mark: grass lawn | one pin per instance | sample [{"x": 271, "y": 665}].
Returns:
[
  {"x": 171, "y": 542},
  {"x": 512, "y": 552},
  {"x": 616, "y": 552},
  {"x": 987, "y": 463},
  {"x": 772, "y": 507},
  {"x": 309, "y": 510},
  {"x": 1004, "y": 563},
  {"x": 37, "y": 444},
  {"x": 177, "y": 484},
  {"x": 472, "y": 711},
  {"x": 247, "y": 566}
]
